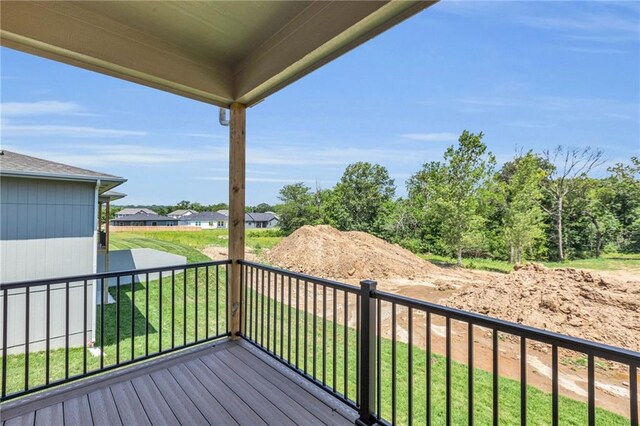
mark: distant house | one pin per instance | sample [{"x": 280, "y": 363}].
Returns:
[
  {"x": 261, "y": 220},
  {"x": 177, "y": 214},
  {"x": 205, "y": 220},
  {"x": 144, "y": 219},
  {"x": 130, "y": 211}
]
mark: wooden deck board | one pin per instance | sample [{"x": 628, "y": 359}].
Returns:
[
  {"x": 77, "y": 411},
  {"x": 183, "y": 408},
  {"x": 282, "y": 400},
  {"x": 153, "y": 402},
  {"x": 129, "y": 407},
  {"x": 322, "y": 411},
  {"x": 24, "y": 420},
  {"x": 221, "y": 392},
  {"x": 210, "y": 407},
  {"x": 251, "y": 397},
  {"x": 227, "y": 383},
  {"x": 50, "y": 416},
  {"x": 103, "y": 408}
]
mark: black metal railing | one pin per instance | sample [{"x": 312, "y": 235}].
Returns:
[
  {"x": 395, "y": 359},
  {"x": 309, "y": 323},
  {"x": 58, "y": 330},
  {"x": 403, "y": 361},
  {"x": 470, "y": 328}
]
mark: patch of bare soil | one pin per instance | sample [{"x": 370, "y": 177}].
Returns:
[
  {"x": 569, "y": 301},
  {"x": 324, "y": 251},
  {"x": 221, "y": 253}
]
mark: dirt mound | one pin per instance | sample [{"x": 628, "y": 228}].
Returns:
[
  {"x": 324, "y": 251},
  {"x": 568, "y": 301}
]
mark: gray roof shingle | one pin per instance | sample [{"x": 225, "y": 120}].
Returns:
[
  {"x": 140, "y": 217},
  {"x": 129, "y": 211},
  {"x": 14, "y": 163},
  {"x": 204, "y": 216}
]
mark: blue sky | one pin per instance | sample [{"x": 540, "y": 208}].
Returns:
[{"x": 530, "y": 75}]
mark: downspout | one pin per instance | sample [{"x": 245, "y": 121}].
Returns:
[{"x": 94, "y": 291}]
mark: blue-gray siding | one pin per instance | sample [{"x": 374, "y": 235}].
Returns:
[{"x": 46, "y": 231}]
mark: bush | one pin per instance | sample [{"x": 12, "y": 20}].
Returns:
[{"x": 265, "y": 233}]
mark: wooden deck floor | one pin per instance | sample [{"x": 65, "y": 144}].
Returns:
[{"x": 226, "y": 383}]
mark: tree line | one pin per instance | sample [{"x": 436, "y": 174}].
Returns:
[{"x": 537, "y": 206}]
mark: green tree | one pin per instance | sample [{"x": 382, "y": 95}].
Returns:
[
  {"x": 597, "y": 198},
  {"x": 357, "y": 201},
  {"x": 299, "y": 207},
  {"x": 456, "y": 192},
  {"x": 262, "y": 208},
  {"x": 624, "y": 182},
  {"x": 522, "y": 217}
]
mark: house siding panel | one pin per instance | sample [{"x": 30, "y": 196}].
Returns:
[{"x": 47, "y": 231}]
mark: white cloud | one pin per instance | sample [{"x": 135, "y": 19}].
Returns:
[
  {"x": 14, "y": 109},
  {"x": 432, "y": 137},
  {"x": 207, "y": 135},
  {"x": 531, "y": 124},
  {"x": 554, "y": 108},
  {"x": 588, "y": 22},
  {"x": 596, "y": 50},
  {"x": 66, "y": 131},
  {"x": 217, "y": 157}
]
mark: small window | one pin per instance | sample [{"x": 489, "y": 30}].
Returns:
[{"x": 220, "y": 224}]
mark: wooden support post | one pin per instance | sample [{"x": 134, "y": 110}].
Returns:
[{"x": 237, "y": 149}]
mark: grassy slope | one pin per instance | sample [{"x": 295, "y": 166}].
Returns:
[{"x": 189, "y": 244}]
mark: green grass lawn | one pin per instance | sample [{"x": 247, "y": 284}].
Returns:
[
  {"x": 607, "y": 262},
  {"x": 190, "y": 244},
  {"x": 171, "y": 305}
]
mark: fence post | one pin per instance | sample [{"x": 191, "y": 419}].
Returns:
[{"x": 367, "y": 353}]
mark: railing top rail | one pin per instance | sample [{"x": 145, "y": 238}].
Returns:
[
  {"x": 309, "y": 278},
  {"x": 600, "y": 350},
  {"x": 114, "y": 274}
]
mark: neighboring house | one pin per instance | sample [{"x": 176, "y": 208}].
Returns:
[
  {"x": 48, "y": 229},
  {"x": 49, "y": 217},
  {"x": 177, "y": 214},
  {"x": 130, "y": 211},
  {"x": 205, "y": 220},
  {"x": 261, "y": 220},
  {"x": 144, "y": 219}
]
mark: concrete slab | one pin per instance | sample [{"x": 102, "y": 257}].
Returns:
[{"x": 142, "y": 258}]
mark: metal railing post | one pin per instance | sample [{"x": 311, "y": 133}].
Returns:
[{"x": 367, "y": 355}]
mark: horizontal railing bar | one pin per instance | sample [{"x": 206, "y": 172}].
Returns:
[
  {"x": 138, "y": 360},
  {"x": 304, "y": 277},
  {"x": 599, "y": 350},
  {"x": 115, "y": 274}
]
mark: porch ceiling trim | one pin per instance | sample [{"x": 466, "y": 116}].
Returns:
[{"x": 123, "y": 39}]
